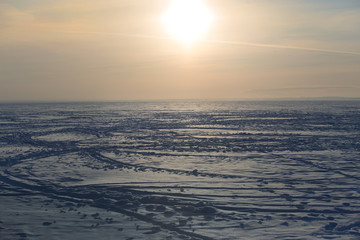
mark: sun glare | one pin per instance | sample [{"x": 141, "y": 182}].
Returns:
[{"x": 187, "y": 20}]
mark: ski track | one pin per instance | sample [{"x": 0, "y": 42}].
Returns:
[{"x": 202, "y": 170}]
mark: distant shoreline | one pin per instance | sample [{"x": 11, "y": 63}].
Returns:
[{"x": 320, "y": 99}]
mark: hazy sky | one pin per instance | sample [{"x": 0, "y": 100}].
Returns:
[{"x": 70, "y": 50}]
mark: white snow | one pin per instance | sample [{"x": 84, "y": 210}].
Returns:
[{"x": 180, "y": 170}]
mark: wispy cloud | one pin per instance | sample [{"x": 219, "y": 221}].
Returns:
[
  {"x": 251, "y": 44},
  {"x": 287, "y": 89}
]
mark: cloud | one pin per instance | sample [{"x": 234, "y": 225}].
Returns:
[
  {"x": 305, "y": 92},
  {"x": 59, "y": 20},
  {"x": 10, "y": 16},
  {"x": 287, "y": 89}
]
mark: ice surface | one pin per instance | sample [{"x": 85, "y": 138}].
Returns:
[{"x": 180, "y": 170}]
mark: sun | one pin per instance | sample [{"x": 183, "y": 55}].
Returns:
[{"x": 187, "y": 20}]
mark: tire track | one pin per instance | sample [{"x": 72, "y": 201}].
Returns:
[{"x": 67, "y": 195}]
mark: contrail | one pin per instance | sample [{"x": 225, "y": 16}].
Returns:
[
  {"x": 323, "y": 50},
  {"x": 284, "y": 47}
]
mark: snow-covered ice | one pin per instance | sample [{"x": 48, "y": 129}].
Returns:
[{"x": 180, "y": 170}]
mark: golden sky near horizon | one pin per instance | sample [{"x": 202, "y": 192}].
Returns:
[{"x": 147, "y": 49}]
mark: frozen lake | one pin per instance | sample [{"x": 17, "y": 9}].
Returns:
[{"x": 180, "y": 170}]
